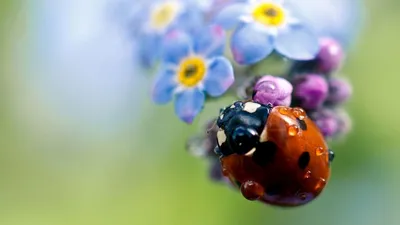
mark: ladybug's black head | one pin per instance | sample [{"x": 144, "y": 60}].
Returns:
[{"x": 241, "y": 125}]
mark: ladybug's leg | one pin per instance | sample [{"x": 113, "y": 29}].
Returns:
[{"x": 252, "y": 190}]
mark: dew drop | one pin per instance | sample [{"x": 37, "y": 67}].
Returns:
[
  {"x": 320, "y": 151},
  {"x": 284, "y": 110},
  {"x": 268, "y": 87},
  {"x": 293, "y": 130},
  {"x": 299, "y": 113},
  {"x": 320, "y": 184},
  {"x": 225, "y": 172},
  {"x": 307, "y": 175},
  {"x": 252, "y": 190},
  {"x": 302, "y": 196}
]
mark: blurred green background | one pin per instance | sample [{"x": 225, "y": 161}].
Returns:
[{"x": 140, "y": 174}]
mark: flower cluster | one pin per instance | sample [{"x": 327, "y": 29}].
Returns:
[
  {"x": 313, "y": 86},
  {"x": 320, "y": 92},
  {"x": 205, "y": 49},
  {"x": 187, "y": 42}
]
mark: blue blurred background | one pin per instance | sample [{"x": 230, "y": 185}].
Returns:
[{"x": 81, "y": 142}]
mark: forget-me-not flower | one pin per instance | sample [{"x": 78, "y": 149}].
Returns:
[
  {"x": 192, "y": 66},
  {"x": 262, "y": 26},
  {"x": 159, "y": 17}
]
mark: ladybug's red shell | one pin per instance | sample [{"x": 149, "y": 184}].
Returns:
[{"x": 289, "y": 167}]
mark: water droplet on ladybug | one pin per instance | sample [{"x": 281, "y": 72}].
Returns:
[
  {"x": 299, "y": 113},
  {"x": 320, "y": 184},
  {"x": 293, "y": 130},
  {"x": 252, "y": 190},
  {"x": 302, "y": 196},
  {"x": 320, "y": 151},
  {"x": 307, "y": 175},
  {"x": 284, "y": 110},
  {"x": 225, "y": 172}
]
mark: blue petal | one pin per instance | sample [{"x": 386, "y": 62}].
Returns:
[
  {"x": 188, "y": 104},
  {"x": 322, "y": 16},
  {"x": 219, "y": 77},
  {"x": 210, "y": 42},
  {"x": 229, "y": 17},
  {"x": 190, "y": 19},
  {"x": 164, "y": 87},
  {"x": 149, "y": 49},
  {"x": 176, "y": 45},
  {"x": 249, "y": 44},
  {"x": 298, "y": 43}
]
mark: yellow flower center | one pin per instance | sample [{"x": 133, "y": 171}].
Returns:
[
  {"x": 191, "y": 71},
  {"x": 269, "y": 14},
  {"x": 163, "y": 15}
]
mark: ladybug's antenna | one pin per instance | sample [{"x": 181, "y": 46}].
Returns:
[{"x": 212, "y": 127}]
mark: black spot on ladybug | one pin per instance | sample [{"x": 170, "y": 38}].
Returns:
[
  {"x": 265, "y": 152},
  {"x": 302, "y": 124},
  {"x": 272, "y": 190},
  {"x": 331, "y": 156},
  {"x": 304, "y": 160}
]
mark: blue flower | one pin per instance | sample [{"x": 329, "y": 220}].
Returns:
[
  {"x": 159, "y": 17},
  {"x": 338, "y": 19},
  {"x": 262, "y": 26},
  {"x": 212, "y": 7},
  {"x": 192, "y": 66}
]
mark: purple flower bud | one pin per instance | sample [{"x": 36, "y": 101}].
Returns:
[
  {"x": 332, "y": 122},
  {"x": 330, "y": 56},
  {"x": 345, "y": 123},
  {"x": 340, "y": 91},
  {"x": 328, "y": 60},
  {"x": 310, "y": 91},
  {"x": 326, "y": 120},
  {"x": 273, "y": 90}
]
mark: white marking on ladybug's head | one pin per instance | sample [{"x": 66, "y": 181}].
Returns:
[
  {"x": 232, "y": 106},
  {"x": 264, "y": 135},
  {"x": 221, "y": 137},
  {"x": 251, "y": 152},
  {"x": 251, "y": 107}
]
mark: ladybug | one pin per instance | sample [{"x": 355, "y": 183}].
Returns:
[{"x": 275, "y": 155}]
